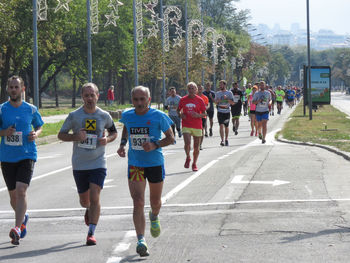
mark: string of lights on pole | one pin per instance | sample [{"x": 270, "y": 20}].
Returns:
[
  {"x": 155, "y": 19},
  {"x": 42, "y": 10},
  {"x": 195, "y": 28},
  {"x": 173, "y": 21},
  {"x": 112, "y": 17}
]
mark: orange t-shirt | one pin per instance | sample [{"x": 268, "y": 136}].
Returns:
[{"x": 206, "y": 101}]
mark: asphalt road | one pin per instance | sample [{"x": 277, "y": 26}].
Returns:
[{"x": 248, "y": 203}]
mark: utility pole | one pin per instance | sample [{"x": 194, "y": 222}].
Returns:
[
  {"x": 309, "y": 60},
  {"x": 35, "y": 55}
]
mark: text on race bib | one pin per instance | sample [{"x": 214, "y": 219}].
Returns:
[
  {"x": 15, "y": 139},
  {"x": 139, "y": 136},
  {"x": 89, "y": 143}
]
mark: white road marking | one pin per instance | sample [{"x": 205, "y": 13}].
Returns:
[
  {"x": 238, "y": 180},
  {"x": 121, "y": 247}
]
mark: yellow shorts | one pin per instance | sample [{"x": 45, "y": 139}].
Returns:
[{"x": 192, "y": 131}]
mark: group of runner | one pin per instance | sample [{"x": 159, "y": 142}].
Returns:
[{"x": 21, "y": 124}]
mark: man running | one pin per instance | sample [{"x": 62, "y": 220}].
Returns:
[
  {"x": 20, "y": 126},
  {"x": 223, "y": 100},
  {"x": 204, "y": 120},
  {"x": 273, "y": 98},
  {"x": 279, "y": 98},
  {"x": 142, "y": 128},
  {"x": 171, "y": 104},
  {"x": 210, "y": 111},
  {"x": 191, "y": 110},
  {"x": 88, "y": 124},
  {"x": 262, "y": 99},
  {"x": 236, "y": 108}
]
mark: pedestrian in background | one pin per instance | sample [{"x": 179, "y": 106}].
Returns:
[
  {"x": 20, "y": 125},
  {"x": 110, "y": 95}
]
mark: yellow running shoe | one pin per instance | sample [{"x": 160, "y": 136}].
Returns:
[{"x": 155, "y": 226}]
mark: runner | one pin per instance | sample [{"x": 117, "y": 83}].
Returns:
[
  {"x": 262, "y": 99},
  {"x": 245, "y": 101},
  {"x": 88, "y": 124},
  {"x": 142, "y": 128},
  {"x": 223, "y": 100},
  {"x": 171, "y": 105},
  {"x": 210, "y": 111},
  {"x": 279, "y": 98},
  {"x": 252, "y": 106},
  {"x": 191, "y": 110},
  {"x": 273, "y": 99},
  {"x": 18, "y": 151},
  {"x": 290, "y": 97},
  {"x": 204, "y": 120},
  {"x": 236, "y": 108}
]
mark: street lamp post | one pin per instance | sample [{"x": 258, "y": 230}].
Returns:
[
  {"x": 35, "y": 55},
  {"x": 186, "y": 25},
  {"x": 308, "y": 60},
  {"x": 89, "y": 40},
  {"x": 135, "y": 45}
]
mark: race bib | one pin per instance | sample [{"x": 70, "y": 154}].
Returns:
[
  {"x": 139, "y": 136},
  {"x": 15, "y": 139},
  {"x": 236, "y": 98},
  {"x": 89, "y": 143}
]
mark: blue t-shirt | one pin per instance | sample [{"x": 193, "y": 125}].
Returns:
[
  {"x": 16, "y": 147},
  {"x": 143, "y": 128}
]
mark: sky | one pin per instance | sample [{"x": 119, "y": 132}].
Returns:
[{"x": 324, "y": 14}]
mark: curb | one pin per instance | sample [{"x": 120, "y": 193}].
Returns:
[{"x": 332, "y": 149}]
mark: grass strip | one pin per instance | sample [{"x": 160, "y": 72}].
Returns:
[{"x": 328, "y": 126}]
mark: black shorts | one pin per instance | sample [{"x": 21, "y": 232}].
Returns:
[
  {"x": 236, "y": 110},
  {"x": 252, "y": 112},
  {"x": 279, "y": 102},
  {"x": 210, "y": 114},
  {"x": 21, "y": 171},
  {"x": 224, "y": 118},
  {"x": 155, "y": 174},
  {"x": 204, "y": 122}
]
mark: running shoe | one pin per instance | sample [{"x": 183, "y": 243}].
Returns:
[
  {"x": 200, "y": 147},
  {"x": 273, "y": 114},
  {"x": 86, "y": 217},
  {"x": 226, "y": 143},
  {"x": 187, "y": 163},
  {"x": 179, "y": 133},
  {"x": 142, "y": 248},
  {"x": 90, "y": 240},
  {"x": 236, "y": 132},
  {"x": 263, "y": 141},
  {"x": 256, "y": 133},
  {"x": 251, "y": 133},
  {"x": 260, "y": 136},
  {"x": 234, "y": 128},
  {"x": 222, "y": 143},
  {"x": 194, "y": 167},
  {"x": 210, "y": 132},
  {"x": 24, "y": 226},
  {"x": 15, "y": 235},
  {"x": 155, "y": 226},
  {"x": 206, "y": 134}
]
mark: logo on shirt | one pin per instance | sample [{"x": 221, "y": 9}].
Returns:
[
  {"x": 90, "y": 125},
  {"x": 148, "y": 122},
  {"x": 139, "y": 130},
  {"x": 191, "y": 106}
]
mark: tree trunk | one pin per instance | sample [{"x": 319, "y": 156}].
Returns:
[
  {"x": 74, "y": 90},
  {"x": 56, "y": 95}
]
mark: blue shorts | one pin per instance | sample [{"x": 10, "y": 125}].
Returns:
[
  {"x": 262, "y": 116},
  {"x": 84, "y": 177}
]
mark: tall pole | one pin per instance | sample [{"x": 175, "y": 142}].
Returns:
[
  {"x": 214, "y": 69},
  {"x": 186, "y": 24},
  {"x": 89, "y": 40},
  {"x": 201, "y": 43},
  {"x": 35, "y": 54},
  {"x": 163, "y": 57},
  {"x": 309, "y": 60},
  {"x": 135, "y": 46}
]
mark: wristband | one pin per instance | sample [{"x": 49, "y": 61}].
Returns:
[{"x": 123, "y": 142}]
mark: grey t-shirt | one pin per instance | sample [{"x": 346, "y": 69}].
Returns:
[
  {"x": 173, "y": 103},
  {"x": 89, "y": 154},
  {"x": 224, "y": 105},
  {"x": 264, "y": 105}
]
